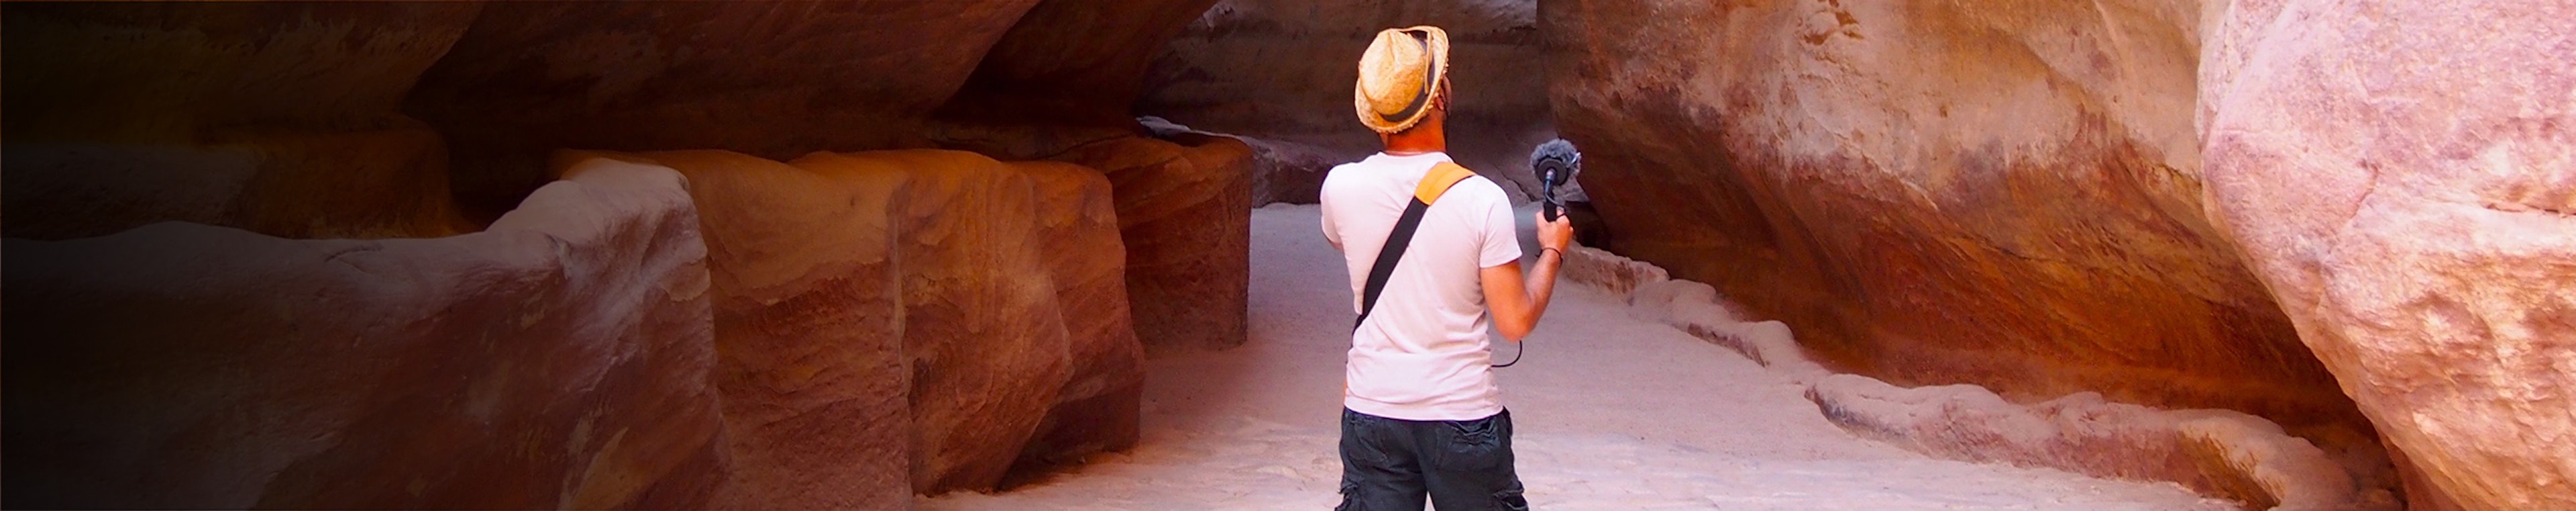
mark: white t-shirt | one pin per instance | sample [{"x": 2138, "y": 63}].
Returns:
[{"x": 1422, "y": 354}]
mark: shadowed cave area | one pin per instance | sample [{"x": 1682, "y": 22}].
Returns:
[{"x": 1038, "y": 254}]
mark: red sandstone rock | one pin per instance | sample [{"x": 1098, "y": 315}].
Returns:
[
  {"x": 2005, "y": 194},
  {"x": 1099, "y": 407},
  {"x": 808, "y": 331},
  {"x": 1184, "y": 210},
  {"x": 559, "y": 358},
  {"x": 2402, "y": 176},
  {"x": 982, "y": 330}
]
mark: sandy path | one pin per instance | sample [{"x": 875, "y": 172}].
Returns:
[{"x": 1611, "y": 413}]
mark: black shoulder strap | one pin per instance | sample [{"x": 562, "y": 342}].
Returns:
[{"x": 1434, "y": 183}]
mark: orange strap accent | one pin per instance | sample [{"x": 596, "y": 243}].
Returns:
[{"x": 1438, "y": 181}]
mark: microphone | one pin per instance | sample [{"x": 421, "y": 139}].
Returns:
[{"x": 1556, "y": 162}]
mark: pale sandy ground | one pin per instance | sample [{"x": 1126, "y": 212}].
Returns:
[{"x": 1611, "y": 413}]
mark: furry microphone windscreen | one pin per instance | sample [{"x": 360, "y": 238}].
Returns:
[{"x": 1556, "y": 161}]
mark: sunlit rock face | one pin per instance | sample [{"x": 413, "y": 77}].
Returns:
[
  {"x": 2326, "y": 213},
  {"x": 1184, "y": 209},
  {"x": 277, "y": 118},
  {"x": 2005, "y": 194},
  {"x": 919, "y": 320},
  {"x": 1279, "y": 72},
  {"x": 2402, "y": 176},
  {"x": 808, "y": 330},
  {"x": 559, "y": 358}
]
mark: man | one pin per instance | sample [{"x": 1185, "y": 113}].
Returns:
[{"x": 1421, "y": 411}]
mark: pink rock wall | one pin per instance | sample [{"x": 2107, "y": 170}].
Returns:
[
  {"x": 2334, "y": 214},
  {"x": 2402, "y": 176}
]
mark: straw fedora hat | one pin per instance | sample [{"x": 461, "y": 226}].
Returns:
[{"x": 1399, "y": 76}]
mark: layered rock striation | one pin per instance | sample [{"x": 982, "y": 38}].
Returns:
[{"x": 894, "y": 322}]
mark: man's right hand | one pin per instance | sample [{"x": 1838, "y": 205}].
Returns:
[{"x": 1557, "y": 235}]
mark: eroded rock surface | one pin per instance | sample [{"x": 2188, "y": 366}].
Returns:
[
  {"x": 1184, "y": 210},
  {"x": 2402, "y": 176},
  {"x": 910, "y": 321},
  {"x": 808, "y": 330},
  {"x": 1099, "y": 406},
  {"x": 2004, "y": 194},
  {"x": 558, "y": 359}
]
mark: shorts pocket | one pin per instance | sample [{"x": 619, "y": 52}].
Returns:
[
  {"x": 1510, "y": 499},
  {"x": 1473, "y": 446}
]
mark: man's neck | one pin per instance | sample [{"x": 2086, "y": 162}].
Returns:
[{"x": 1430, "y": 136}]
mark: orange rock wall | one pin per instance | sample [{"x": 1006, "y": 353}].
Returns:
[
  {"x": 911, "y": 321},
  {"x": 2337, "y": 215},
  {"x": 2004, "y": 194}
]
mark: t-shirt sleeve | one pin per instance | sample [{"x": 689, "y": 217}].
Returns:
[
  {"x": 1502, "y": 236},
  {"x": 1325, "y": 205}
]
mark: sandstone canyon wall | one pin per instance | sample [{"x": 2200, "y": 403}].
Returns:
[
  {"x": 1278, "y": 73},
  {"x": 2347, "y": 217},
  {"x": 777, "y": 293},
  {"x": 2402, "y": 176},
  {"x": 1996, "y": 193}
]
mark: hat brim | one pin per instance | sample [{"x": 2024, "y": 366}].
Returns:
[{"x": 1438, "y": 41}]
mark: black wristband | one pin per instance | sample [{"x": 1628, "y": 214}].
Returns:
[{"x": 1560, "y": 253}]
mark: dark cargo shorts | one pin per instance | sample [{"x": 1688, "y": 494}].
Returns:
[{"x": 1390, "y": 464}]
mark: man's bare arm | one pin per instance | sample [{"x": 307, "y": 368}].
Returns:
[{"x": 1516, "y": 300}]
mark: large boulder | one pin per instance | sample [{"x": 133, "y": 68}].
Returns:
[
  {"x": 808, "y": 330},
  {"x": 276, "y": 118},
  {"x": 1100, "y": 406},
  {"x": 559, "y": 358},
  {"x": 987, "y": 252},
  {"x": 893, "y": 322},
  {"x": 2402, "y": 176},
  {"x": 2005, "y": 194},
  {"x": 1279, "y": 72},
  {"x": 1184, "y": 209}
]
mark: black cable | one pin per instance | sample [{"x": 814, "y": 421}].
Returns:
[{"x": 1516, "y": 355}]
